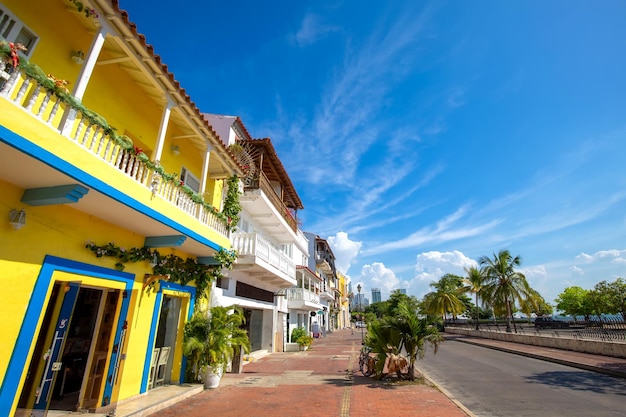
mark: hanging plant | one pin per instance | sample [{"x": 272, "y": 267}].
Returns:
[
  {"x": 232, "y": 207},
  {"x": 58, "y": 87},
  {"x": 181, "y": 271},
  {"x": 81, "y": 7}
]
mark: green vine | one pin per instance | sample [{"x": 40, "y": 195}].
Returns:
[
  {"x": 57, "y": 87},
  {"x": 182, "y": 271},
  {"x": 232, "y": 208},
  {"x": 84, "y": 9}
]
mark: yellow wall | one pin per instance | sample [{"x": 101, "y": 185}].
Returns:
[
  {"x": 111, "y": 93},
  {"x": 62, "y": 231}
]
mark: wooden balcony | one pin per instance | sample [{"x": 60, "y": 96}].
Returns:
[{"x": 263, "y": 184}]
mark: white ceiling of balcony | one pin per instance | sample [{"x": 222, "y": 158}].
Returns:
[
  {"x": 26, "y": 172},
  {"x": 264, "y": 214}
]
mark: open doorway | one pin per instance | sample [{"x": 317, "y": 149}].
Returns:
[
  {"x": 165, "y": 341},
  {"x": 67, "y": 370}
]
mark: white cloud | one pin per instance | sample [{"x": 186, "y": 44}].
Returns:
[
  {"x": 430, "y": 266},
  {"x": 536, "y": 276},
  {"x": 611, "y": 255},
  {"x": 345, "y": 250},
  {"x": 443, "y": 231},
  {"x": 312, "y": 30},
  {"x": 538, "y": 271},
  {"x": 577, "y": 271},
  {"x": 381, "y": 277}
]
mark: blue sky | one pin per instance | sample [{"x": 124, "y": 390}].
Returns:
[{"x": 422, "y": 135}]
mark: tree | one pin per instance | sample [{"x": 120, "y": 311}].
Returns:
[
  {"x": 475, "y": 280},
  {"x": 396, "y": 298},
  {"x": 448, "y": 297},
  {"x": 405, "y": 331},
  {"x": 535, "y": 303},
  {"x": 574, "y": 301},
  {"x": 503, "y": 284},
  {"x": 210, "y": 338},
  {"x": 614, "y": 296}
]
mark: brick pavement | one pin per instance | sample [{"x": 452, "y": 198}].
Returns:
[{"x": 322, "y": 381}]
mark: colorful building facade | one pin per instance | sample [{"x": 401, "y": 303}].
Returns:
[{"x": 109, "y": 177}]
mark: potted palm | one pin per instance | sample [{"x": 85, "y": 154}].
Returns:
[
  {"x": 300, "y": 336},
  {"x": 210, "y": 341},
  {"x": 304, "y": 341}
]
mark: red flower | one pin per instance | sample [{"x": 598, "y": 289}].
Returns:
[
  {"x": 138, "y": 150},
  {"x": 14, "y": 56}
]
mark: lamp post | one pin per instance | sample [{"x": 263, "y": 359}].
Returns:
[{"x": 358, "y": 288}]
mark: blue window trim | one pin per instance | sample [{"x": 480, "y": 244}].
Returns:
[
  {"x": 155, "y": 323},
  {"x": 18, "y": 364}
]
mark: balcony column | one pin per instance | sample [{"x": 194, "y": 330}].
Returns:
[
  {"x": 165, "y": 120},
  {"x": 83, "y": 78},
  {"x": 205, "y": 168}
]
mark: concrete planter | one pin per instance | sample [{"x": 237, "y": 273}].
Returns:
[{"x": 292, "y": 347}]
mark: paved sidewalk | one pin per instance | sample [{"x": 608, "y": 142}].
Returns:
[{"x": 322, "y": 381}]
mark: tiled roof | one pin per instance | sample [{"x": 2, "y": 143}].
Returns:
[
  {"x": 280, "y": 171},
  {"x": 165, "y": 71}
]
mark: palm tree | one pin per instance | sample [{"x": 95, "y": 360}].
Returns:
[
  {"x": 212, "y": 337},
  {"x": 475, "y": 280},
  {"x": 404, "y": 331},
  {"x": 446, "y": 298},
  {"x": 503, "y": 284}
]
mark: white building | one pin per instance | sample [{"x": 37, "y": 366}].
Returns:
[{"x": 267, "y": 239}]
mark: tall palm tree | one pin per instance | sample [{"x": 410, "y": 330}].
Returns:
[
  {"x": 446, "y": 298},
  {"x": 503, "y": 284},
  {"x": 475, "y": 280}
]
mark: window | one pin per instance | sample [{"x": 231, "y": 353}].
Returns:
[
  {"x": 13, "y": 30},
  {"x": 190, "y": 180}
]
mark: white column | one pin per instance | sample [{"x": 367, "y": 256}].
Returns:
[
  {"x": 83, "y": 78},
  {"x": 90, "y": 63},
  {"x": 165, "y": 119},
  {"x": 205, "y": 168}
]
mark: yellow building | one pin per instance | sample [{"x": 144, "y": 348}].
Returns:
[
  {"x": 98, "y": 143},
  {"x": 344, "y": 301}
]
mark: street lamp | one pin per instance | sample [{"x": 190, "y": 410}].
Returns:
[{"x": 358, "y": 288}]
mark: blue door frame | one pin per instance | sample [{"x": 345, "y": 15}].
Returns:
[{"x": 9, "y": 391}]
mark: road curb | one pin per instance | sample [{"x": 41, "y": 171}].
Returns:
[{"x": 447, "y": 394}]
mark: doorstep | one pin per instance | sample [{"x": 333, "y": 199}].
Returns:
[{"x": 156, "y": 399}]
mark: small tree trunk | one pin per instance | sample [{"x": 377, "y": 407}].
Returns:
[{"x": 508, "y": 316}]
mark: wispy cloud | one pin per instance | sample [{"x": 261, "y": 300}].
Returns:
[
  {"x": 444, "y": 231},
  {"x": 312, "y": 29},
  {"x": 374, "y": 202},
  {"x": 346, "y": 122}
]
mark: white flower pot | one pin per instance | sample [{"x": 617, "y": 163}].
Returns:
[{"x": 212, "y": 379}]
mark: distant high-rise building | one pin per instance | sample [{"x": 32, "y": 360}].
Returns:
[
  {"x": 376, "y": 298},
  {"x": 402, "y": 291},
  {"x": 359, "y": 302}
]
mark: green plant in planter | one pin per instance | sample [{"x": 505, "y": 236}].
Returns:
[
  {"x": 297, "y": 333},
  {"x": 305, "y": 340},
  {"x": 210, "y": 339}
]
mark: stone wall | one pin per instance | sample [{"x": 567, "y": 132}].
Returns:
[{"x": 596, "y": 347}]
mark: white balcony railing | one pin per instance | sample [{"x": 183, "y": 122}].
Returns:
[
  {"x": 84, "y": 130},
  {"x": 253, "y": 244},
  {"x": 301, "y": 294}
]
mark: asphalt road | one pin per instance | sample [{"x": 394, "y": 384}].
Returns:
[{"x": 491, "y": 383}]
